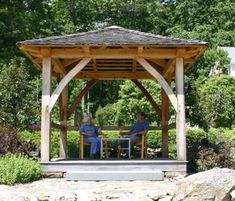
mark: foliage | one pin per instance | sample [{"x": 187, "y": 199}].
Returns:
[
  {"x": 215, "y": 156},
  {"x": 217, "y": 101},
  {"x": 10, "y": 142},
  {"x": 196, "y": 78},
  {"x": 18, "y": 94},
  {"x": 131, "y": 101},
  {"x": 193, "y": 19},
  {"x": 210, "y": 149},
  {"x": 194, "y": 138},
  {"x": 21, "y": 20},
  {"x": 73, "y": 142},
  {"x": 107, "y": 115},
  {"x": 211, "y": 21},
  {"x": 84, "y": 15},
  {"x": 103, "y": 93},
  {"x": 18, "y": 169}
]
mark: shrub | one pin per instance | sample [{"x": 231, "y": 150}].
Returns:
[
  {"x": 215, "y": 155},
  {"x": 107, "y": 115},
  {"x": 18, "y": 94},
  {"x": 206, "y": 150},
  {"x": 195, "y": 139},
  {"x": 11, "y": 142},
  {"x": 217, "y": 101},
  {"x": 219, "y": 134},
  {"x": 18, "y": 169},
  {"x": 72, "y": 142}
]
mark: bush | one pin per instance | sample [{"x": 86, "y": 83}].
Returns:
[
  {"x": 217, "y": 101},
  {"x": 206, "y": 150},
  {"x": 19, "y": 94},
  {"x": 132, "y": 101},
  {"x": 107, "y": 115},
  {"x": 220, "y": 134},
  {"x": 11, "y": 142},
  {"x": 215, "y": 155},
  {"x": 194, "y": 137},
  {"x": 18, "y": 169},
  {"x": 72, "y": 142}
]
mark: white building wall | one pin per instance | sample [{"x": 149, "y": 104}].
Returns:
[{"x": 231, "y": 55}]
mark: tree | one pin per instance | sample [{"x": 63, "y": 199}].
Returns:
[
  {"x": 206, "y": 20},
  {"x": 19, "y": 95},
  {"x": 196, "y": 77},
  {"x": 217, "y": 101},
  {"x": 131, "y": 101},
  {"x": 211, "y": 21},
  {"x": 21, "y": 20}
]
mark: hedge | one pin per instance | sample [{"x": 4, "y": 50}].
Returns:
[{"x": 153, "y": 139}]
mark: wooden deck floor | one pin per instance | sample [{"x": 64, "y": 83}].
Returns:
[{"x": 165, "y": 165}]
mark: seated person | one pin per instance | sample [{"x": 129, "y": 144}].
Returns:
[
  {"x": 91, "y": 133},
  {"x": 139, "y": 128}
]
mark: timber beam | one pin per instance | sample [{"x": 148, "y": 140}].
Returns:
[
  {"x": 77, "y": 100},
  {"x": 161, "y": 81},
  {"x": 108, "y": 53},
  {"x": 113, "y": 75},
  {"x": 149, "y": 97},
  {"x": 69, "y": 76}
]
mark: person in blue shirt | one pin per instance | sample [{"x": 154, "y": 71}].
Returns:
[
  {"x": 139, "y": 128},
  {"x": 91, "y": 134}
]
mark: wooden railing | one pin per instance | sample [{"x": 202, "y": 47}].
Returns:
[{"x": 111, "y": 128}]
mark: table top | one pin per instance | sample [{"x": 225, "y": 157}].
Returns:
[{"x": 120, "y": 138}]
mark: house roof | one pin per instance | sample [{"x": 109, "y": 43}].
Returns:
[{"x": 114, "y": 36}]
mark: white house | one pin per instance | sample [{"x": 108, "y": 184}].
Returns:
[{"x": 231, "y": 55}]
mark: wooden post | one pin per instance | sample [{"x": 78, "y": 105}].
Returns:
[
  {"x": 180, "y": 114},
  {"x": 165, "y": 118},
  {"x": 63, "y": 122},
  {"x": 45, "y": 114}
]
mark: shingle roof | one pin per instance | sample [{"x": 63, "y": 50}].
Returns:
[{"x": 113, "y": 35}]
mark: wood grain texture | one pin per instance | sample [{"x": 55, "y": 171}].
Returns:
[
  {"x": 180, "y": 115},
  {"x": 161, "y": 81},
  {"x": 45, "y": 114},
  {"x": 77, "y": 100},
  {"x": 69, "y": 76}
]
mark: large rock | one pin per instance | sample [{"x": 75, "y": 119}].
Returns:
[
  {"x": 232, "y": 195},
  {"x": 211, "y": 185}
]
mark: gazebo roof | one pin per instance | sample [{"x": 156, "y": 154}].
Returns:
[
  {"x": 113, "y": 53},
  {"x": 113, "y": 35}
]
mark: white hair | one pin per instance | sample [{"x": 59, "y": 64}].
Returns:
[{"x": 87, "y": 118}]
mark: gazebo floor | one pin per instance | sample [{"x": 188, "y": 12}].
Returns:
[{"x": 66, "y": 165}]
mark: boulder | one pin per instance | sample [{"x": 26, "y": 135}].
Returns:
[
  {"x": 16, "y": 196},
  {"x": 233, "y": 195},
  {"x": 167, "y": 198},
  {"x": 212, "y": 185}
]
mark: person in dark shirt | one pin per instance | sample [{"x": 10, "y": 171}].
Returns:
[{"x": 139, "y": 128}]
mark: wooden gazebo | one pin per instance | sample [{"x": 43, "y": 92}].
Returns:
[{"x": 112, "y": 53}]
